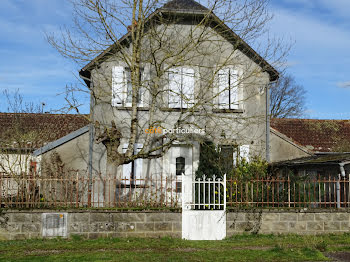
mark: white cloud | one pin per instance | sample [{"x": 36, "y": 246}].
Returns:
[
  {"x": 308, "y": 30},
  {"x": 338, "y": 7},
  {"x": 345, "y": 84}
]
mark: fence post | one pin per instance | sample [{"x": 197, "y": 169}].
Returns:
[
  {"x": 77, "y": 191},
  {"x": 288, "y": 191},
  {"x": 89, "y": 191},
  {"x": 225, "y": 193}
]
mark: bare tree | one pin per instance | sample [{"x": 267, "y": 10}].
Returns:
[
  {"x": 16, "y": 142},
  {"x": 16, "y": 104},
  {"x": 161, "y": 43},
  {"x": 287, "y": 98}
]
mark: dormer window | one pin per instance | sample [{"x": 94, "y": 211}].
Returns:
[{"x": 226, "y": 89}]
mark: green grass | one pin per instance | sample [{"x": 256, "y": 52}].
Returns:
[{"x": 237, "y": 248}]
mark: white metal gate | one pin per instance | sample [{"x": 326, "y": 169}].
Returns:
[{"x": 203, "y": 208}]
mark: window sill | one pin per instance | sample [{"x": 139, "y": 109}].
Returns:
[
  {"x": 224, "y": 110},
  {"x": 129, "y": 108},
  {"x": 170, "y": 109}
]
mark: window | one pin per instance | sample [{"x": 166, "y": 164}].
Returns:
[
  {"x": 226, "y": 89},
  {"x": 226, "y": 158},
  {"x": 132, "y": 172},
  {"x": 178, "y": 187},
  {"x": 230, "y": 155},
  {"x": 122, "y": 87},
  {"x": 180, "y": 166},
  {"x": 181, "y": 87}
]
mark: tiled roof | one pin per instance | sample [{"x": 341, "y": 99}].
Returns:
[
  {"x": 188, "y": 5},
  {"x": 24, "y": 130},
  {"x": 316, "y": 135}
]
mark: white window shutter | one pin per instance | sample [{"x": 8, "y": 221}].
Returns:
[
  {"x": 127, "y": 169},
  {"x": 188, "y": 82},
  {"x": 244, "y": 152},
  {"x": 233, "y": 89},
  {"x": 174, "y": 87},
  {"x": 118, "y": 86},
  {"x": 235, "y": 157},
  {"x": 224, "y": 88},
  {"x": 216, "y": 90},
  {"x": 128, "y": 88},
  {"x": 138, "y": 166},
  {"x": 145, "y": 78}
]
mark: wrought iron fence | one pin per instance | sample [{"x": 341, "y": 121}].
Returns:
[
  {"x": 76, "y": 190},
  {"x": 283, "y": 192}
]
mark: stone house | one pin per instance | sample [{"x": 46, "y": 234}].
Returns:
[
  {"x": 219, "y": 93},
  {"x": 216, "y": 92}
]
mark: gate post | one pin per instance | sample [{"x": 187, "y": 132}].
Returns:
[{"x": 187, "y": 195}]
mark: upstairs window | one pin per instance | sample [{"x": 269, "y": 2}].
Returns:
[
  {"x": 181, "y": 82},
  {"x": 122, "y": 87},
  {"x": 226, "y": 89}
]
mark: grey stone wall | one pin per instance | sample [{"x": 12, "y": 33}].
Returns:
[
  {"x": 93, "y": 224},
  {"x": 319, "y": 222}
]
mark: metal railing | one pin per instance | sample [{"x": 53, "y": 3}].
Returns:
[
  {"x": 164, "y": 191},
  {"x": 283, "y": 192},
  {"x": 71, "y": 191},
  {"x": 209, "y": 193}
]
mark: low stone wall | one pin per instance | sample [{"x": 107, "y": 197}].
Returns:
[
  {"x": 16, "y": 224},
  {"x": 93, "y": 224},
  {"x": 288, "y": 222}
]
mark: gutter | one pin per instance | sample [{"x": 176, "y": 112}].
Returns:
[{"x": 267, "y": 119}]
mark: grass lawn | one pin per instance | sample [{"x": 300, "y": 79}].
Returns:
[{"x": 237, "y": 248}]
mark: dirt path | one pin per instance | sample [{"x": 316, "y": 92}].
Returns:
[{"x": 338, "y": 256}]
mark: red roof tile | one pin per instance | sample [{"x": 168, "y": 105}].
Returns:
[
  {"x": 27, "y": 130},
  {"x": 317, "y": 135}
]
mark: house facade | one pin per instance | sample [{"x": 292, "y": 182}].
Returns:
[{"x": 215, "y": 90}]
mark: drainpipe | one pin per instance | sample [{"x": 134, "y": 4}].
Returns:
[
  {"x": 342, "y": 173},
  {"x": 91, "y": 145},
  {"x": 91, "y": 137},
  {"x": 267, "y": 119}
]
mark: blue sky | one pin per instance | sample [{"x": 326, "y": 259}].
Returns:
[{"x": 319, "y": 59}]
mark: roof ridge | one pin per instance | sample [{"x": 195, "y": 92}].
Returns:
[
  {"x": 189, "y": 5},
  {"x": 37, "y": 114},
  {"x": 307, "y": 119}
]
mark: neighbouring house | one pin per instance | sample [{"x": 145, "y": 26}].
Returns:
[
  {"x": 22, "y": 134},
  {"x": 217, "y": 90},
  {"x": 311, "y": 146}
]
